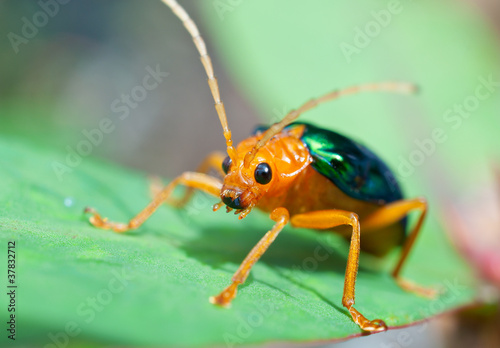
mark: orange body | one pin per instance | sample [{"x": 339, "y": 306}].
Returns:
[{"x": 299, "y": 188}]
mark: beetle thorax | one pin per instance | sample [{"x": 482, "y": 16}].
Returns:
[{"x": 270, "y": 173}]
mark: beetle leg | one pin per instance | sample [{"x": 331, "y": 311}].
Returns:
[
  {"x": 329, "y": 219},
  {"x": 393, "y": 213},
  {"x": 212, "y": 162},
  {"x": 193, "y": 180},
  {"x": 281, "y": 217}
]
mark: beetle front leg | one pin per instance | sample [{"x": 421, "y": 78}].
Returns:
[
  {"x": 331, "y": 218},
  {"x": 213, "y": 162},
  {"x": 199, "y": 181},
  {"x": 281, "y": 217}
]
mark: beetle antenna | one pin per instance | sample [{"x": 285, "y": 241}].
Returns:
[
  {"x": 396, "y": 87},
  {"x": 191, "y": 27}
]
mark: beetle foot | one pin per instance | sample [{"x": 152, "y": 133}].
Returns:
[
  {"x": 96, "y": 220},
  {"x": 409, "y": 286},
  {"x": 225, "y": 297},
  {"x": 376, "y": 325}
]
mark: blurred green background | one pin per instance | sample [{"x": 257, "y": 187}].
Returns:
[
  {"x": 59, "y": 78},
  {"x": 66, "y": 77}
]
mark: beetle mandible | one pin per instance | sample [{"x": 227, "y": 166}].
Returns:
[{"x": 302, "y": 175}]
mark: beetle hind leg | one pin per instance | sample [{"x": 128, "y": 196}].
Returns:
[
  {"x": 326, "y": 219},
  {"x": 390, "y": 214}
]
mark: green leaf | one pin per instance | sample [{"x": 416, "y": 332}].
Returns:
[{"x": 79, "y": 284}]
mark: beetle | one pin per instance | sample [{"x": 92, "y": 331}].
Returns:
[{"x": 303, "y": 175}]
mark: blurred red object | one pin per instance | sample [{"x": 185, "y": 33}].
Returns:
[{"x": 474, "y": 226}]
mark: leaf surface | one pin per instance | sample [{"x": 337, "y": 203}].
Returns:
[{"x": 152, "y": 286}]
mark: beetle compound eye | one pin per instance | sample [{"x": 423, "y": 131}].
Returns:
[
  {"x": 263, "y": 174},
  {"x": 226, "y": 164}
]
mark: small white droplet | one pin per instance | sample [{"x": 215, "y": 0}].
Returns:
[{"x": 68, "y": 202}]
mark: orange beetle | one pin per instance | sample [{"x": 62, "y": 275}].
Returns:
[{"x": 310, "y": 177}]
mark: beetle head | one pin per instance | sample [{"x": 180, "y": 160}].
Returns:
[{"x": 270, "y": 172}]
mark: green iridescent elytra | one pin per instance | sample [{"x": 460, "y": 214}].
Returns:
[{"x": 353, "y": 168}]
